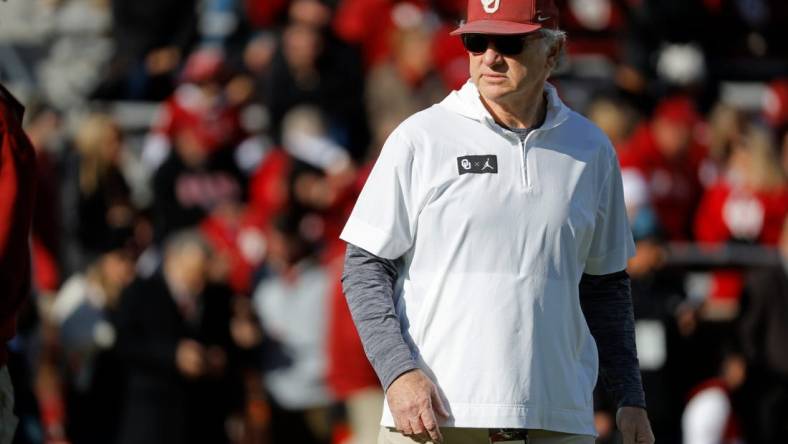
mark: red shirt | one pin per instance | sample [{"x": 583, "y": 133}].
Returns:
[
  {"x": 368, "y": 24},
  {"x": 238, "y": 238},
  {"x": 674, "y": 185},
  {"x": 730, "y": 213},
  {"x": 263, "y": 14},
  {"x": 214, "y": 123},
  {"x": 348, "y": 368},
  {"x": 268, "y": 192},
  {"x": 17, "y": 194}
]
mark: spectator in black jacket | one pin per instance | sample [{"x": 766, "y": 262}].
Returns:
[
  {"x": 764, "y": 329},
  {"x": 313, "y": 67},
  {"x": 151, "y": 38},
  {"x": 174, "y": 339}
]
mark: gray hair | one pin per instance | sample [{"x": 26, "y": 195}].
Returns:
[
  {"x": 185, "y": 241},
  {"x": 552, "y": 37}
]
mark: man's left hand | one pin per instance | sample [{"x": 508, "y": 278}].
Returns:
[{"x": 634, "y": 425}]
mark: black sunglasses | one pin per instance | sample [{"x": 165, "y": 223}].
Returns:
[{"x": 507, "y": 45}]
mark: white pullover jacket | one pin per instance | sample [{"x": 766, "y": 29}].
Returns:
[{"x": 495, "y": 234}]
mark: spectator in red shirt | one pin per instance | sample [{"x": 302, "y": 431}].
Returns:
[
  {"x": 750, "y": 201},
  {"x": 17, "y": 185},
  {"x": 43, "y": 128},
  {"x": 748, "y": 204},
  {"x": 366, "y": 23},
  {"x": 235, "y": 232},
  {"x": 669, "y": 157},
  {"x": 201, "y": 106}
]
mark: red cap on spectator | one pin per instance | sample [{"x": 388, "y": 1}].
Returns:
[
  {"x": 204, "y": 64},
  {"x": 509, "y": 17},
  {"x": 679, "y": 110},
  {"x": 775, "y": 103}
]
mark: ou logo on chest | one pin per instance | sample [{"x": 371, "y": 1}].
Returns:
[
  {"x": 490, "y": 6},
  {"x": 466, "y": 164}
]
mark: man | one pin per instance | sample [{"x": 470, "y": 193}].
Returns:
[
  {"x": 488, "y": 341},
  {"x": 173, "y": 337},
  {"x": 763, "y": 327},
  {"x": 666, "y": 154},
  {"x": 291, "y": 301},
  {"x": 17, "y": 183}
]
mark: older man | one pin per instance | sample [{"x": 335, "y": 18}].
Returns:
[
  {"x": 505, "y": 209},
  {"x": 173, "y": 337}
]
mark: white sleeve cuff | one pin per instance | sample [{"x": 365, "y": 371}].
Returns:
[
  {"x": 612, "y": 262},
  {"x": 372, "y": 239}
]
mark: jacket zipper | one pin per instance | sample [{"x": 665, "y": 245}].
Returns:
[
  {"x": 526, "y": 178},
  {"x": 523, "y": 165}
]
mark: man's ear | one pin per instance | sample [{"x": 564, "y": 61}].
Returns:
[{"x": 554, "y": 54}]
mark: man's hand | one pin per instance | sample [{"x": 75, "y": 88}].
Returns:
[
  {"x": 634, "y": 425},
  {"x": 190, "y": 358},
  {"x": 414, "y": 402}
]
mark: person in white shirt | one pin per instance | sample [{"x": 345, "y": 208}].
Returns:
[{"x": 504, "y": 210}]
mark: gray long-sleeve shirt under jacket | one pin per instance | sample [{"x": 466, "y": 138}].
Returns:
[{"x": 368, "y": 282}]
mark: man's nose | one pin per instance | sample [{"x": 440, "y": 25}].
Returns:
[{"x": 491, "y": 56}]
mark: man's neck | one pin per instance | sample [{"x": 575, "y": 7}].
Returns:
[{"x": 526, "y": 111}]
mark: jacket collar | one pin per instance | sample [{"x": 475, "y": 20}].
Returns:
[{"x": 466, "y": 102}]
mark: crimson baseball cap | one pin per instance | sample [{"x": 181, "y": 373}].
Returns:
[
  {"x": 679, "y": 110},
  {"x": 508, "y": 17}
]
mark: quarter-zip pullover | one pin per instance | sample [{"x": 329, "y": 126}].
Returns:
[{"x": 495, "y": 233}]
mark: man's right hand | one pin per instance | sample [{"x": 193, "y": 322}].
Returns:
[
  {"x": 414, "y": 402},
  {"x": 190, "y": 358}
]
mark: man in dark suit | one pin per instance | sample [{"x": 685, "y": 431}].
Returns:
[{"x": 174, "y": 339}]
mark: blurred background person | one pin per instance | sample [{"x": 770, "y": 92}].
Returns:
[
  {"x": 17, "y": 173},
  {"x": 711, "y": 415},
  {"x": 666, "y": 151},
  {"x": 763, "y": 330},
  {"x": 313, "y": 67},
  {"x": 292, "y": 301},
  {"x": 407, "y": 80},
  {"x": 96, "y": 195},
  {"x": 174, "y": 340},
  {"x": 92, "y": 377},
  {"x": 150, "y": 40},
  {"x": 43, "y": 124},
  {"x": 748, "y": 205}
]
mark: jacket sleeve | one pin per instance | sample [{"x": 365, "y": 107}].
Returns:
[
  {"x": 368, "y": 282},
  {"x": 17, "y": 193},
  {"x": 606, "y": 302},
  {"x": 388, "y": 231}
]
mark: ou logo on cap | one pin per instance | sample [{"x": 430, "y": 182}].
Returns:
[
  {"x": 466, "y": 164},
  {"x": 490, "y": 6}
]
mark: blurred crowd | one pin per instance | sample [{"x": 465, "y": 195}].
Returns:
[{"x": 198, "y": 158}]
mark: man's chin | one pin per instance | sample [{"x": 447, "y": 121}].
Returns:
[{"x": 494, "y": 91}]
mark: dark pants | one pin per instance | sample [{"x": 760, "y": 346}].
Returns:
[{"x": 294, "y": 426}]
